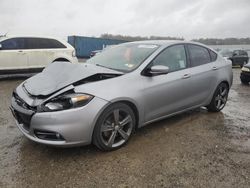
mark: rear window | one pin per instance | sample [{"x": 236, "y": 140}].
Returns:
[
  {"x": 198, "y": 55},
  {"x": 236, "y": 53},
  {"x": 43, "y": 43},
  {"x": 243, "y": 53}
]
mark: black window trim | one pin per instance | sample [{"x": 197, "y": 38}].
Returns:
[
  {"x": 143, "y": 72},
  {"x": 211, "y": 51}
]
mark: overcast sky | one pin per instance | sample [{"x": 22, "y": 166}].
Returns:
[{"x": 181, "y": 18}]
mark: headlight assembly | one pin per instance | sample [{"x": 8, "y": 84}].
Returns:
[{"x": 66, "y": 101}]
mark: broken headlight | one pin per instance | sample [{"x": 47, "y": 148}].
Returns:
[{"x": 67, "y": 101}]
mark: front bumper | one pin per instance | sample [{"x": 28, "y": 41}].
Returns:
[{"x": 74, "y": 126}]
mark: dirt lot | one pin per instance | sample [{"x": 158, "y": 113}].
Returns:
[{"x": 195, "y": 149}]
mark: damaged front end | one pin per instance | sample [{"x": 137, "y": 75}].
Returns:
[{"x": 51, "y": 91}]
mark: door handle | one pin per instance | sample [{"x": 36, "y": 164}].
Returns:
[
  {"x": 185, "y": 76},
  {"x": 20, "y": 51},
  {"x": 214, "y": 68}
]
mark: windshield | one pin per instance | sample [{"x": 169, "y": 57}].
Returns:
[{"x": 124, "y": 57}]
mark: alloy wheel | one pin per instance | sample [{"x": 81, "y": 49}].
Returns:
[
  {"x": 116, "y": 128},
  {"x": 221, "y": 98}
]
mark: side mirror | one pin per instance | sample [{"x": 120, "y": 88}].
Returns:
[{"x": 157, "y": 70}]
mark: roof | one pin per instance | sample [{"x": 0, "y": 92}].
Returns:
[
  {"x": 166, "y": 42},
  {"x": 170, "y": 42},
  {"x": 159, "y": 42}
]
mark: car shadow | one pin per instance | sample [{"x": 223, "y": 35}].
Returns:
[
  {"x": 90, "y": 150},
  {"x": 170, "y": 136}
]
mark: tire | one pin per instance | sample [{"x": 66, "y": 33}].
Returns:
[
  {"x": 114, "y": 127},
  {"x": 219, "y": 99},
  {"x": 243, "y": 81}
]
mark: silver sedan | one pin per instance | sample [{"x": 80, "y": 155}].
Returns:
[{"x": 104, "y": 100}]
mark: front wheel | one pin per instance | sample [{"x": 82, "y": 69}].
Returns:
[
  {"x": 219, "y": 99},
  {"x": 114, "y": 127}
]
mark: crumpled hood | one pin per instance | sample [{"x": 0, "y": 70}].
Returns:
[{"x": 61, "y": 74}]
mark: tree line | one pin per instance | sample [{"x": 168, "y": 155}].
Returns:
[
  {"x": 226, "y": 41},
  {"x": 137, "y": 38},
  {"x": 207, "y": 41}
]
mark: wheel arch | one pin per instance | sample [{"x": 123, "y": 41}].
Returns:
[
  {"x": 223, "y": 81},
  {"x": 134, "y": 109},
  {"x": 131, "y": 104},
  {"x": 214, "y": 89},
  {"x": 226, "y": 82},
  {"x": 124, "y": 101},
  {"x": 61, "y": 59}
]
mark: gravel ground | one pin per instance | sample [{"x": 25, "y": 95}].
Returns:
[{"x": 194, "y": 149}]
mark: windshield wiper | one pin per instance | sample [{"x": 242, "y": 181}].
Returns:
[
  {"x": 103, "y": 66},
  {"x": 108, "y": 68}
]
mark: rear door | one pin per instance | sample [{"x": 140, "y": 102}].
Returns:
[
  {"x": 42, "y": 51},
  {"x": 13, "y": 55},
  {"x": 203, "y": 73}
]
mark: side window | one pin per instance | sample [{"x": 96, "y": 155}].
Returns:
[
  {"x": 43, "y": 43},
  {"x": 213, "y": 55},
  {"x": 243, "y": 53},
  {"x": 13, "y": 44},
  {"x": 31, "y": 43},
  {"x": 236, "y": 53},
  {"x": 55, "y": 44},
  {"x": 174, "y": 57},
  {"x": 198, "y": 55}
]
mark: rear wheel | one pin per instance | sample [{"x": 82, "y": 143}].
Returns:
[
  {"x": 114, "y": 127},
  {"x": 219, "y": 98}
]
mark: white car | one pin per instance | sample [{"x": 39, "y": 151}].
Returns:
[{"x": 32, "y": 54}]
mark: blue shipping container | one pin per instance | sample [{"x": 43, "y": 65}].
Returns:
[{"x": 85, "y": 45}]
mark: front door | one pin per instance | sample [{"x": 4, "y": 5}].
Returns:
[
  {"x": 12, "y": 55},
  {"x": 170, "y": 93}
]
